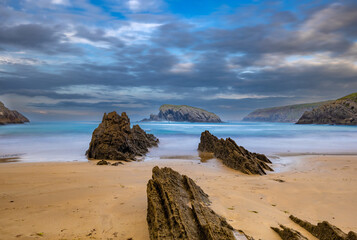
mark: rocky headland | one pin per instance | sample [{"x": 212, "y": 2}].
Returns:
[
  {"x": 179, "y": 209},
  {"x": 343, "y": 111},
  {"x": 290, "y": 113},
  {"x": 113, "y": 139},
  {"x": 8, "y": 116},
  {"x": 183, "y": 113},
  {"x": 234, "y": 156}
]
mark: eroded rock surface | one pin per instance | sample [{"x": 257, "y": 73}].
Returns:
[
  {"x": 324, "y": 230},
  {"x": 113, "y": 139},
  {"x": 234, "y": 156},
  {"x": 179, "y": 209},
  {"x": 8, "y": 116},
  {"x": 183, "y": 113},
  {"x": 286, "y": 233}
]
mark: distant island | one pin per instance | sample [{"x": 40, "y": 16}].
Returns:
[
  {"x": 183, "y": 113},
  {"x": 342, "y": 111},
  {"x": 8, "y": 116},
  {"x": 290, "y": 113}
]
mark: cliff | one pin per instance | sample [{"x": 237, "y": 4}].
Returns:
[
  {"x": 8, "y": 116},
  {"x": 183, "y": 113},
  {"x": 342, "y": 111},
  {"x": 290, "y": 113}
]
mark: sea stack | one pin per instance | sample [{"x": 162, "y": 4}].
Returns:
[
  {"x": 343, "y": 111},
  {"x": 183, "y": 113},
  {"x": 179, "y": 209},
  {"x": 113, "y": 139},
  {"x": 8, "y": 116},
  {"x": 234, "y": 156}
]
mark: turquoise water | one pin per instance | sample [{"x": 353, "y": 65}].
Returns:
[{"x": 68, "y": 141}]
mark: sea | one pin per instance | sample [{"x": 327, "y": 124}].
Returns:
[{"x": 68, "y": 141}]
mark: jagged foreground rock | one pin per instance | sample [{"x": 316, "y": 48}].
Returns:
[
  {"x": 234, "y": 156},
  {"x": 113, "y": 139},
  {"x": 8, "y": 116},
  {"x": 183, "y": 113},
  {"x": 179, "y": 209},
  {"x": 286, "y": 233},
  {"x": 343, "y": 111},
  {"x": 324, "y": 230}
]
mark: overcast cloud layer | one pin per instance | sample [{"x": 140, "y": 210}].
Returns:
[{"x": 75, "y": 59}]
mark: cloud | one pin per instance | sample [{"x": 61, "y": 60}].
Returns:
[
  {"x": 137, "y": 55},
  {"x": 144, "y": 5},
  {"x": 35, "y": 37}
]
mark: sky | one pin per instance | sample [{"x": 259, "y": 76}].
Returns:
[{"x": 76, "y": 59}]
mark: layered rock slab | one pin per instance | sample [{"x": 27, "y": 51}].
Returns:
[
  {"x": 179, "y": 209},
  {"x": 113, "y": 139},
  {"x": 8, "y": 116},
  {"x": 324, "y": 230},
  {"x": 234, "y": 156}
]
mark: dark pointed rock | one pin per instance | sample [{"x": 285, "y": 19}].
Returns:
[
  {"x": 286, "y": 233},
  {"x": 324, "y": 230},
  {"x": 179, "y": 209},
  {"x": 234, "y": 156},
  {"x": 113, "y": 139}
]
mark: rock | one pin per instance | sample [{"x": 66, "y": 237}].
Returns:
[
  {"x": 324, "y": 230},
  {"x": 290, "y": 113},
  {"x": 340, "y": 112},
  {"x": 8, "y": 116},
  {"x": 288, "y": 234},
  {"x": 179, "y": 209},
  {"x": 113, "y": 139},
  {"x": 103, "y": 162},
  {"x": 234, "y": 156},
  {"x": 117, "y": 164},
  {"x": 183, "y": 113}
]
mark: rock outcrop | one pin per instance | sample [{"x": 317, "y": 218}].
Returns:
[
  {"x": 290, "y": 113},
  {"x": 183, "y": 113},
  {"x": 179, "y": 209},
  {"x": 286, "y": 233},
  {"x": 234, "y": 156},
  {"x": 8, "y": 116},
  {"x": 324, "y": 230},
  {"x": 340, "y": 112},
  {"x": 113, "y": 139}
]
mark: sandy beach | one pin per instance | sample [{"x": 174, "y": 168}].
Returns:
[{"x": 80, "y": 200}]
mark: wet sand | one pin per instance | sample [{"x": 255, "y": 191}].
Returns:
[{"x": 72, "y": 200}]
